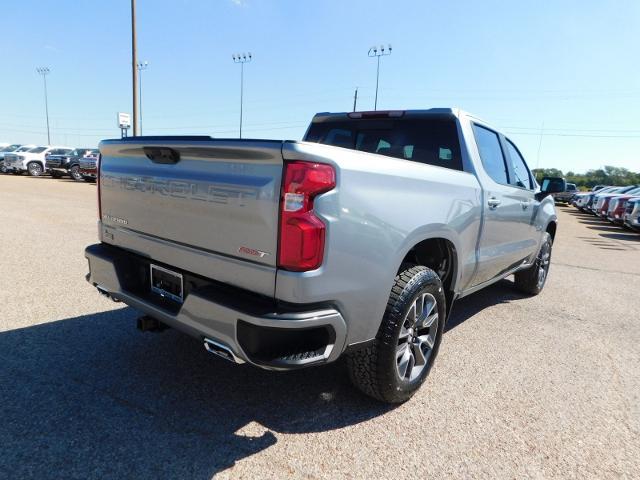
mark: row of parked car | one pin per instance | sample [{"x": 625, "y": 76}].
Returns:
[
  {"x": 34, "y": 160},
  {"x": 618, "y": 205}
]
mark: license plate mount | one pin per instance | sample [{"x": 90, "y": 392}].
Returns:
[{"x": 167, "y": 283}]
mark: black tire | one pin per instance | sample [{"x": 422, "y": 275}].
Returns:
[
  {"x": 34, "y": 169},
  {"x": 55, "y": 174},
  {"x": 74, "y": 171},
  {"x": 89, "y": 179},
  {"x": 376, "y": 369},
  {"x": 533, "y": 279}
]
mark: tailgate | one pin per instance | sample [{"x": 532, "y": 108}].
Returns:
[{"x": 219, "y": 199}]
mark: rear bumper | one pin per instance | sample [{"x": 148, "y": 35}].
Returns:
[{"x": 253, "y": 328}]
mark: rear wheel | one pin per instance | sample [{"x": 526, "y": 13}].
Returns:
[
  {"x": 35, "y": 169},
  {"x": 75, "y": 173},
  {"x": 533, "y": 279},
  {"x": 398, "y": 361},
  {"x": 55, "y": 174}
]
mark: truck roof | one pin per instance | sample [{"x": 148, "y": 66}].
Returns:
[{"x": 453, "y": 112}]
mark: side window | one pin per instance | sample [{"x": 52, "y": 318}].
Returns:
[
  {"x": 519, "y": 167},
  {"x": 491, "y": 154}
]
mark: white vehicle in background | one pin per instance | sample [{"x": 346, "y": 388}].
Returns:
[
  {"x": 15, "y": 148},
  {"x": 33, "y": 161}
]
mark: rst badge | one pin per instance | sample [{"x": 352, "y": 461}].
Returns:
[{"x": 252, "y": 251}]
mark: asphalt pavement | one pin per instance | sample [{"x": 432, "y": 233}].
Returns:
[{"x": 542, "y": 387}]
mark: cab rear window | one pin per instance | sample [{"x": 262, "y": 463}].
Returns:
[{"x": 431, "y": 141}]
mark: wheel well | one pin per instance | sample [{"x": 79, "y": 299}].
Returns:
[
  {"x": 551, "y": 228},
  {"x": 439, "y": 254}
]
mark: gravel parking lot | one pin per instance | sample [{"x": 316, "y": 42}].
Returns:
[{"x": 544, "y": 387}]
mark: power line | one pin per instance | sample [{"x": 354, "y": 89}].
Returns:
[{"x": 550, "y": 134}]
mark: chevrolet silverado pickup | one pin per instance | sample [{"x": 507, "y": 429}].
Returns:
[
  {"x": 354, "y": 242},
  {"x": 69, "y": 163}
]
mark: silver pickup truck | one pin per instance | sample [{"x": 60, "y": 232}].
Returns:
[{"x": 356, "y": 241}]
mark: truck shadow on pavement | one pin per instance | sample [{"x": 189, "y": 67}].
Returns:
[
  {"x": 503, "y": 291},
  {"x": 91, "y": 397}
]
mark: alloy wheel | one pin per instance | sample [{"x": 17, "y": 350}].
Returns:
[
  {"x": 75, "y": 173},
  {"x": 35, "y": 169},
  {"x": 417, "y": 337},
  {"x": 543, "y": 261}
]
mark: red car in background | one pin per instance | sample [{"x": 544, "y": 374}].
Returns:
[
  {"x": 617, "y": 205},
  {"x": 601, "y": 205}
]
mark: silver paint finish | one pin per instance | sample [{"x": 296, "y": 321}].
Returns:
[{"x": 380, "y": 209}]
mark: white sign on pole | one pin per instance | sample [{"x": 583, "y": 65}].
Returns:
[{"x": 124, "y": 120}]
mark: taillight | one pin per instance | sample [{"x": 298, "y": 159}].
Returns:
[
  {"x": 302, "y": 233},
  {"x": 98, "y": 162}
]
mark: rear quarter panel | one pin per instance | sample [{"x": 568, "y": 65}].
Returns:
[{"x": 380, "y": 208}]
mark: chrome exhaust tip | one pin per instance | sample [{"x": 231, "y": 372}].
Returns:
[{"x": 221, "y": 350}]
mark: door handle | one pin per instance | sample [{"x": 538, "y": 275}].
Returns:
[
  {"x": 525, "y": 204},
  {"x": 493, "y": 202}
]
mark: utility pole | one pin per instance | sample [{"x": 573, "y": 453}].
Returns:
[
  {"x": 241, "y": 58},
  {"x": 355, "y": 99},
  {"x": 378, "y": 52},
  {"x": 141, "y": 66},
  {"x": 44, "y": 71},
  {"x": 134, "y": 69},
  {"x": 540, "y": 145}
]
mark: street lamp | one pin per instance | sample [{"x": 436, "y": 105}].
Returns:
[
  {"x": 44, "y": 71},
  {"x": 134, "y": 69},
  {"x": 378, "y": 52},
  {"x": 141, "y": 66},
  {"x": 241, "y": 58}
]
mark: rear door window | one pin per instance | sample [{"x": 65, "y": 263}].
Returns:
[{"x": 433, "y": 141}]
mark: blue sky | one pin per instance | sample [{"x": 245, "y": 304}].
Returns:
[{"x": 569, "y": 69}]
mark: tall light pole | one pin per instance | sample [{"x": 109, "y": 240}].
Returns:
[
  {"x": 134, "y": 68},
  {"x": 141, "y": 66},
  {"x": 44, "y": 71},
  {"x": 241, "y": 58},
  {"x": 378, "y": 52}
]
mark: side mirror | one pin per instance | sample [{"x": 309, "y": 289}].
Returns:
[{"x": 551, "y": 185}]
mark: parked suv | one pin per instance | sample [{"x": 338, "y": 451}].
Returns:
[
  {"x": 355, "y": 242},
  {"x": 632, "y": 214},
  {"x": 69, "y": 163},
  {"x": 17, "y": 148},
  {"x": 32, "y": 161}
]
